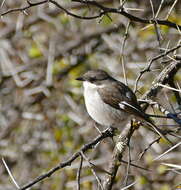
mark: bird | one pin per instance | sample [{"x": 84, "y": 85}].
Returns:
[{"x": 110, "y": 102}]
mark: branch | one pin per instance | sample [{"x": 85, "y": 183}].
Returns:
[
  {"x": 103, "y": 11},
  {"x": 147, "y": 68},
  {"x": 131, "y": 17},
  {"x": 165, "y": 76},
  {"x": 107, "y": 133},
  {"x": 122, "y": 142},
  {"x": 50, "y": 12},
  {"x": 30, "y": 4}
]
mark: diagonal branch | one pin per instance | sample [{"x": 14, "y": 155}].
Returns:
[{"x": 107, "y": 133}]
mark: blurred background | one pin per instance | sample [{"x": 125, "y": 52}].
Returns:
[{"x": 43, "y": 120}]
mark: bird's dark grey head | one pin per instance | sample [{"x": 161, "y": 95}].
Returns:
[{"x": 94, "y": 76}]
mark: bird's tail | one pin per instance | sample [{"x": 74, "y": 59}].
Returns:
[
  {"x": 150, "y": 123},
  {"x": 141, "y": 115}
]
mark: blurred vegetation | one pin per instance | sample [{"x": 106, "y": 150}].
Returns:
[{"x": 43, "y": 120}]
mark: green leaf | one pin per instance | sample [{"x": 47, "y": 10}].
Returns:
[
  {"x": 34, "y": 52},
  {"x": 143, "y": 180},
  {"x": 64, "y": 19},
  {"x": 106, "y": 20},
  {"x": 162, "y": 169}
]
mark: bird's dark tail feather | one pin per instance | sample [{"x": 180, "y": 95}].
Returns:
[{"x": 143, "y": 116}]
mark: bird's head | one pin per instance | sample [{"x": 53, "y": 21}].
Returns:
[{"x": 96, "y": 77}]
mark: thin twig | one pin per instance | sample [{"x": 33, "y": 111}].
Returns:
[
  {"x": 128, "y": 186},
  {"x": 10, "y": 174},
  {"x": 147, "y": 68},
  {"x": 51, "y": 55},
  {"x": 152, "y": 9},
  {"x": 2, "y": 4},
  {"x": 122, "y": 52},
  {"x": 134, "y": 165},
  {"x": 78, "y": 172},
  {"x": 169, "y": 12},
  {"x": 159, "y": 8},
  {"x": 170, "y": 149},
  {"x": 24, "y": 8},
  {"x": 168, "y": 87},
  {"x": 93, "y": 171},
  {"x": 128, "y": 165},
  {"x": 149, "y": 146}
]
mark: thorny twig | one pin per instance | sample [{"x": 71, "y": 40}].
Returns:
[
  {"x": 103, "y": 11},
  {"x": 147, "y": 68}
]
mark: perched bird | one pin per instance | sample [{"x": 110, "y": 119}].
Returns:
[{"x": 110, "y": 102}]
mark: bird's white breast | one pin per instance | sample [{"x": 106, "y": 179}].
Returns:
[{"x": 101, "y": 112}]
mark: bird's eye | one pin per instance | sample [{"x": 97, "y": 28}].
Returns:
[{"x": 92, "y": 79}]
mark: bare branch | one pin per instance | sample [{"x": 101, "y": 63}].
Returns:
[
  {"x": 30, "y": 4},
  {"x": 107, "y": 133},
  {"x": 147, "y": 68},
  {"x": 131, "y": 17},
  {"x": 103, "y": 11},
  {"x": 119, "y": 149}
]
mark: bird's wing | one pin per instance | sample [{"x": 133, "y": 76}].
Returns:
[{"x": 120, "y": 96}]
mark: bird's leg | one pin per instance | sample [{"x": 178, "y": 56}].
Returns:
[
  {"x": 97, "y": 128},
  {"x": 135, "y": 124},
  {"x": 112, "y": 138},
  {"x": 112, "y": 130}
]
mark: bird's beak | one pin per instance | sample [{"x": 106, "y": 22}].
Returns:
[{"x": 80, "y": 78}]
